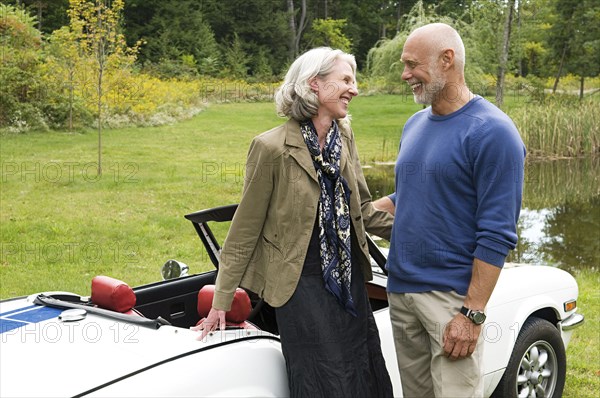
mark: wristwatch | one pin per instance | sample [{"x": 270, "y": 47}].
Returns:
[{"x": 477, "y": 317}]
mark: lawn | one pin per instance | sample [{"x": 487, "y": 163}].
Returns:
[{"x": 61, "y": 223}]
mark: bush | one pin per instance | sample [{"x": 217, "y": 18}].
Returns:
[{"x": 20, "y": 69}]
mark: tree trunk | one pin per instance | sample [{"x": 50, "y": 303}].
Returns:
[
  {"x": 301, "y": 26},
  {"x": 581, "y": 88},
  {"x": 100, "y": 122},
  {"x": 560, "y": 68},
  {"x": 296, "y": 30},
  {"x": 100, "y": 58},
  {"x": 504, "y": 55},
  {"x": 292, "y": 25},
  {"x": 100, "y": 72},
  {"x": 518, "y": 10},
  {"x": 399, "y": 17},
  {"x": 71, "y": 98},
  {"x": 39, "y": 15}
]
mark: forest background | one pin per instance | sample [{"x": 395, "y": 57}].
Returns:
[{"x": 69, "y": 64}]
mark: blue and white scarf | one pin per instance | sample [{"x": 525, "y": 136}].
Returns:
[{"x": 333, "y": 214}]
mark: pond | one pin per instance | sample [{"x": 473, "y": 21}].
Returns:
[{"x": 560, "y": 217}]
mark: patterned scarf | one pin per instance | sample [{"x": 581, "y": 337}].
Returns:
[{"x": 334, "y": 213}]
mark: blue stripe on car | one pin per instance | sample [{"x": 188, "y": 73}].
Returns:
[{"x": 14, "y": 319}]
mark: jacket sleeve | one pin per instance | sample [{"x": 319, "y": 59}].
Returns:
[
  {"x": 376, "y": 221},
  {"x": 246, "y": 225}
]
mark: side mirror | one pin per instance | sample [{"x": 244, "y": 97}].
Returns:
[{"x": 173, "y": 269}]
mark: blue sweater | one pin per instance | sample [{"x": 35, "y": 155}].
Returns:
[{"x": 459, "y": 183}]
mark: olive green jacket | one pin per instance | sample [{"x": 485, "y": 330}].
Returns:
[{"x": 270, "y": 232}]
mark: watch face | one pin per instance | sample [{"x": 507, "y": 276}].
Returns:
[{"x": 478, "y": 317}]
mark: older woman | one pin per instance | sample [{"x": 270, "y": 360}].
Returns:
[{"x": 298, "y": 237}]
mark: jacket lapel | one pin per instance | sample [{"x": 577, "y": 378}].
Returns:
[
  {"x": 297, "y": 148},
  {"x": 345, "y": 148}
]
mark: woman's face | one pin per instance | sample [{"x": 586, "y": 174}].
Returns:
[{"x": 335, "y": 91}]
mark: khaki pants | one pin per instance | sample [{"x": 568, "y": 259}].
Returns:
[{"x": 418, "y": 321}]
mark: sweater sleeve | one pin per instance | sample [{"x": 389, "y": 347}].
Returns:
[{"x": 498, "y": 169}]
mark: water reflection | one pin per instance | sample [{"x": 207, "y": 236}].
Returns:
[{"x": 560, "y": 219}]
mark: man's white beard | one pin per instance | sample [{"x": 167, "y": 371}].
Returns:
[{"x": 429, "y": 92}]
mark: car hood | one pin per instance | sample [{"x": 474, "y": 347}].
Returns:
[{"x": 41, "y": 355}]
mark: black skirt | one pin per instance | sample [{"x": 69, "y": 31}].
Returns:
[{"x": 328, "y": 352}]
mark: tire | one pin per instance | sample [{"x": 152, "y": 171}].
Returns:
[{"x": 537, "y": 365}]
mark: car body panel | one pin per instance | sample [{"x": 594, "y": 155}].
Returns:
[{"x": 107, "y": 350}]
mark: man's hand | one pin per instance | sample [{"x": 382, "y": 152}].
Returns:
[
  {"x": 460, "y": 337},
  {"x": 461, "y": 334},
  {"x": 209, "y": 324}
]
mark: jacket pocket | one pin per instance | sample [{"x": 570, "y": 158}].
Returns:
[{"x": 271, "y": 249}]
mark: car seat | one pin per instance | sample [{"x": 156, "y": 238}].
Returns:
[
  {"x": 113, "y": 294},
  {"x": 236, "y": 317}
]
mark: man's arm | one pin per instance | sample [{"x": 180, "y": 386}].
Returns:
[
  {"x": 482, "y": 284},
  {"x": 385, "y": 204},
  {"x": 499, "y": 196},
  {"x": 460, "y": 335}
]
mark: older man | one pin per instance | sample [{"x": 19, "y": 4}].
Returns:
[{"x": 459, "y": 177}]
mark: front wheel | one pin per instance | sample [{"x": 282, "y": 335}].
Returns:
[{"x": 537, "y": 366}]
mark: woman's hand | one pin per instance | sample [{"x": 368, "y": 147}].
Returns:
[{"x": 209, "y": 324}]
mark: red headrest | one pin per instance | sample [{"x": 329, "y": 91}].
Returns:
[
  {"x": 240, "y": 307},
  {"x": 112, "y": 294}
]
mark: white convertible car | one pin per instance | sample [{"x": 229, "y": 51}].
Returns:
[{"x": 124, "y": 342}]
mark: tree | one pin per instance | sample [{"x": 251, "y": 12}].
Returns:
[
  {"x": 63, "y": 60},
  {"x": 96, "y": 25},
  {"x": 20, "y": 42},
  {"x": 504, "y": 53},
  {"x": 236, "y": 59},
  {"x": 296, "y": 29},
  {"x": 49, "y": 14},
  {"x": 563, "y": 33},
  {"x": 328, "y": 32},
  {"x": 172, "y": 30},
  {"x": 585, "y": 43},
  {"x": 383, "y": 60}
]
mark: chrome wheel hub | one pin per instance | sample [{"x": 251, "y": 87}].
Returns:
[{"x": 537, "y": 373}]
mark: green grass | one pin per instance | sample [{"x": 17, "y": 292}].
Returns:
[
  {"x": 60, "y": 225},
  {"x": 583, "y": 353}
]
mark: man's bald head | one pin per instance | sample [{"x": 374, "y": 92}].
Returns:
[{"x": 439, "y": 37}]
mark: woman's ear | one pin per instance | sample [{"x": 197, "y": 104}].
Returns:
[{"x": 314, "y": 85}]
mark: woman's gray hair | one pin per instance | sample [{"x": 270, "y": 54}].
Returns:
[{"x": 294, "y": 98}]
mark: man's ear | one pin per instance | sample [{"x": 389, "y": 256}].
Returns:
[{"x": 447, "y": 58}]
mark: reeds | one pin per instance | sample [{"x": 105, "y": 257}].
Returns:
[{"x": 559, "y": 128}]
